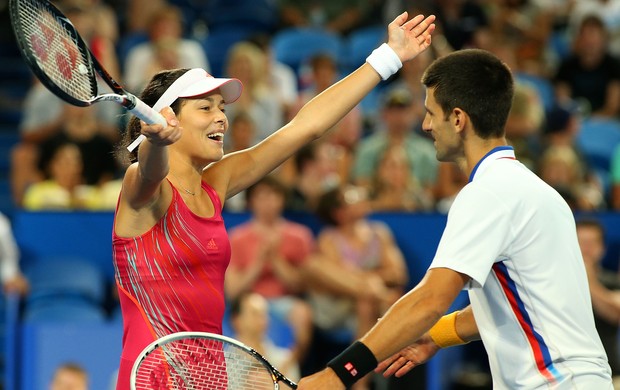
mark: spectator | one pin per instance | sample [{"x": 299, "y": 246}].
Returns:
[
  {"x": 242, "y": 130},
  {"x": 345, "y": 135},
  {"x": 362, "y": 250},
  {"x": 526, "y": 25},
  {"x": 450, "y": 180},
  {"x": 590, "y": 75},
  {"x": 399, "y": 121},
  {"x": 316, "y": 172},
  {"x": 281, "y": 78},
  {"x": 339, "y": 17},
  {"x": 524, "y": 124},
  {"x": 463, "y": 23},
  {"x": 560, "y": 167},
  {"x": 13, "y": 281},
  {"x": 165, "y": 49},
  {"x": 246, "y": 62},
  {"x": 63, "y": 188},
  {"x": 69, "y": 376},
  {"x": 249, "y": 317},
  {"x": 604, "y": 288},
  {"x": 268, "y": 254},
  {"x": 408, "y": 78},
  {"x": 607, "y": 10},
  {"x": 44, "y": 118},
  {"x": 80, "y": 126},
  {"x": 394, "y": 188}
]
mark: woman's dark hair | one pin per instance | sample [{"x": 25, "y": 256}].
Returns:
[
  {"x": 152, "y": 92},
  {"x": 270, "y": 181},
  {"x": 477, "y": 82},
  {"x": 329, "y": 201}
]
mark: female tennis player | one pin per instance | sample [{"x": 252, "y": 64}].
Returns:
[{"x": 170, "y": 246}]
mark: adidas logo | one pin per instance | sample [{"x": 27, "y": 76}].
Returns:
[{"x": 211, "y": 245}]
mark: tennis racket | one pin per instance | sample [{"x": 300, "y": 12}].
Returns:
[
  {"x": 60, "y": 59},
  {"x": 198, "y": 360}
]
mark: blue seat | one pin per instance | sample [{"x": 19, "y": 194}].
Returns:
[
  {"x": 64, "y": 310},
  {"x": 295, "y": 46},
  {"x": 55, "y": 278},
  {"x": 543, "y": 87},
  {"x": 598, "y": 139},
  {"x": 260, "y": 16},
  {"x": 360, "y": 43},
  {"x": 128, "y": 42},
  {"x": 218, "y": 43}
]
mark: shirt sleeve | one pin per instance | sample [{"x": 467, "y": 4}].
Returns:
[{"x": 477, "y": 232}]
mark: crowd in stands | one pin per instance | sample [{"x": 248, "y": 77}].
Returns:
[{"x": 565, "y": 56}]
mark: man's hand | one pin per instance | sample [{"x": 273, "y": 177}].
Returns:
[
  {"x": 409, "y": 357},
  {"x": 410, "y": 38}
]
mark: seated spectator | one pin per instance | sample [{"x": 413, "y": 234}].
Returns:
[
  {"x": 560, "y": 167},
  {"x": 450, "y": 180},
  {"x": 339, "y": 17},
  {"x": 166, "y": 49},
  {"x": 358, "y": 272},
  {"x": 63, "y": 188},
  {"x": 345, "y": 135},
  {"x": 281, "y": 78},
  {"x": 604, "y": 289},
  {"x": 316, "y": 171},
  {"x": 80, "y": 127},
  {"x": 69, "y": 376},
  {"x": 249, "y": 317},
  {"x": 241, "y": 136},
  {"x": 45, "y": 116},
  {"x": 13, "y": 281},
  {"x": 463, "y": 23},
  {"x": 524, "y": 124},
  {"x": 399, "y": 123},
  {"x": 246, "y": 62},
  {"x": 527, "y": 26},
  {"x": 590, "y": 76},
  {"x": 561, "y": 128},
  {"x": 607, "y": 10},
  {"x": 394, "y": 188},
  {"x": 409, "y": 76},
  {"x": 268, "y": 254}
]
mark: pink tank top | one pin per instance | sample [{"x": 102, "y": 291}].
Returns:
[{"x": 171, "y": 278}]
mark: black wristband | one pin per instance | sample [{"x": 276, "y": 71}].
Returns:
[{"x": 353, "y": 363}]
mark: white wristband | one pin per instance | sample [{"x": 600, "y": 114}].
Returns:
[{"x": 385, "y": 61}]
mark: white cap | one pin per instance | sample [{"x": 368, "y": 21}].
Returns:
[{"x": 196, "y": 82}]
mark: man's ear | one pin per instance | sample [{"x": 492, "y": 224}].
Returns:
[{"x": 459, "y": 119}]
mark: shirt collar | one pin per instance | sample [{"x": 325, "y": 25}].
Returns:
[{"x": 494, "y": 154}]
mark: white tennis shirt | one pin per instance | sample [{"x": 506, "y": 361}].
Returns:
[{"x": 515, "y": 237}]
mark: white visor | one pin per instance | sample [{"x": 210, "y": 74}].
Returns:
[{"x": 197, "y": 82}]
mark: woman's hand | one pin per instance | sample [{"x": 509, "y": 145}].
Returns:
[
  {"x": 159, "y": 135},
  {"x": 410, "y": 38},
  {"x": 409, "y": 357}
]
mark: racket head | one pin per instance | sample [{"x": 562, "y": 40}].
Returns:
[
  {"x": 54, "y": 50},
  {"x": 198, "y": 360}
]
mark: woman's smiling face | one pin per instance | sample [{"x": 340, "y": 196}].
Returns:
[{"x": 204, "y": 124}]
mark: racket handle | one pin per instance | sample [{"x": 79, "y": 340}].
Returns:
[{"x": 147, "y": 114}]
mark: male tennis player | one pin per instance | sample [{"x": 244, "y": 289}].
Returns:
[{"x": 509, "y": 240}]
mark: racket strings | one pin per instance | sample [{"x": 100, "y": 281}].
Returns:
[
  {"x": 56, "y": 51},
  {"x": 202, "y": 364}
]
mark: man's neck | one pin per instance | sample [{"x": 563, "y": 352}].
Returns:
[{"x": 476, "y": 150}]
